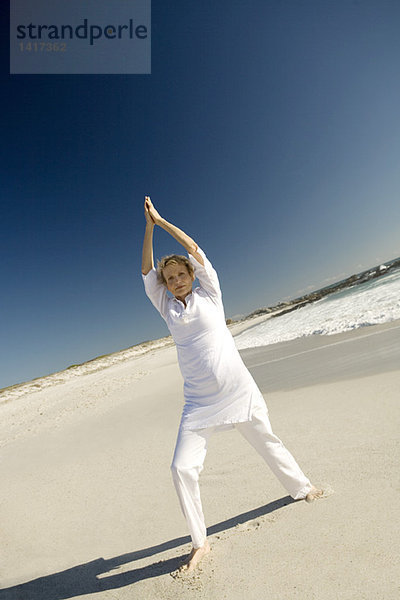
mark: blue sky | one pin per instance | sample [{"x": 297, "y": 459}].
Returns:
[{"x": 269, "y": 131}]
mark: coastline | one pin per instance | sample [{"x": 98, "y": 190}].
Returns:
[
  {"x": 236, "y": 327},
  {"x": 100, "y": 363}
]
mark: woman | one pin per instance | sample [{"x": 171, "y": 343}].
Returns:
[{"x": 219, "y": 391}]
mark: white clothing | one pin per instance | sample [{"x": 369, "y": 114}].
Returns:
[
  {"x": 190, "y": 453},
  {"x": 218, "y": 388},
  {"x": 219, "y": 392}
]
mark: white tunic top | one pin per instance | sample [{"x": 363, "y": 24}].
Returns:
[{"x": 218, "y": 388}]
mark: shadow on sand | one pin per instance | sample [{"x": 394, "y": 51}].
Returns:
[{"x": 86, "y": 579}]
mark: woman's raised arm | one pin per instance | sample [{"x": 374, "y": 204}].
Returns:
[
  {"x": 180, "y": 236},
  {"x": 147, "y": 254}
]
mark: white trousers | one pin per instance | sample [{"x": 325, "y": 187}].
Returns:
[{"x": 190, "y": 452}]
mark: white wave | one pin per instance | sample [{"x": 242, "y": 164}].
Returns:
[{"x": 377, "y": 301}]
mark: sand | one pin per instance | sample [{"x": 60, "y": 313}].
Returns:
[{"x": 88, "y": 508}]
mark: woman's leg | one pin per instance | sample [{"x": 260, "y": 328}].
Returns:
[
  {"x": 259, "y": 434},
  {"x": 187, "y": 464}
]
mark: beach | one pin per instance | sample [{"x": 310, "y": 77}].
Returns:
[{"x": 88, "y": 507}]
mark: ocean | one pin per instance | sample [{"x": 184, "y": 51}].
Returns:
[{"x": 376, "y": 301}]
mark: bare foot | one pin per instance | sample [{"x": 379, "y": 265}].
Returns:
[
  {"x": 313, "y": 494},
  {"x": 195, "y": 557}
]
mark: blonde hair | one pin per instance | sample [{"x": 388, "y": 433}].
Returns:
[{"x": 173, "y": 259}]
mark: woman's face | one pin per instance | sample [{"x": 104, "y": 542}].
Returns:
[{"x": 179, "y": 281}]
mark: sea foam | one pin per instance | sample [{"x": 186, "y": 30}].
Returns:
[{"x": 371, "y": 303}]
